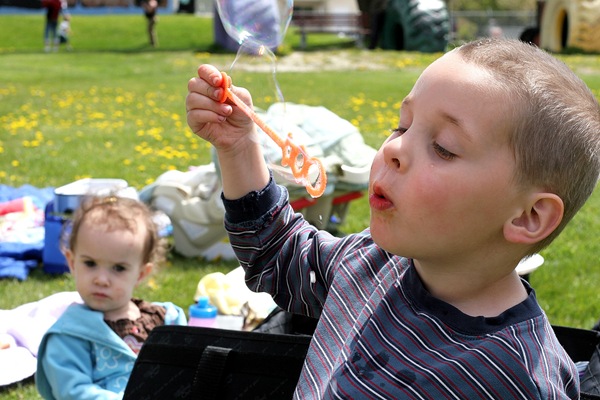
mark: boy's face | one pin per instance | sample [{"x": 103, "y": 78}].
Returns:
[
  {"x": 107, "y": 266},
  {"x": 443, "y": 189}
]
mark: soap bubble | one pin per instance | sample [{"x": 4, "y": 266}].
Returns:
[
  {"x": 259, "y": 28},
  {"x": 256, "y": 24}
]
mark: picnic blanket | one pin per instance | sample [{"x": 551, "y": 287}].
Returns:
[
  {"x": 22, "y": 231},
  {"x": 21, "y": 331}
]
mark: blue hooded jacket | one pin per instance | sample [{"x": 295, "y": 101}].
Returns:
[{"x": 81, "y": 357}]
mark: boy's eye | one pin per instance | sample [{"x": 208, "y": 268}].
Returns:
[
  {"x": 442, "y": 152},
  {"x": 89, "y": 263},
  {"x": 398, "y": 131}
]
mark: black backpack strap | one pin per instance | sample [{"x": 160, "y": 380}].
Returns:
[
  {"x": 210, "y": 372},
  {"x": 579, "y": 343}
]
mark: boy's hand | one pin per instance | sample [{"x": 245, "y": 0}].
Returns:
[
  {"x": 226, "y": 127},
  {"x": 231, "y": 132}
]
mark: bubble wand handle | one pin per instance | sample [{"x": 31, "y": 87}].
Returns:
[{"x": 292, "y": 155}]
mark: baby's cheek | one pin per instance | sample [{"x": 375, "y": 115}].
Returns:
[{"x": 122, "y": 292}]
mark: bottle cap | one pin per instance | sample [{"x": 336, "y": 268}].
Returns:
[{"x": 203, "y": 309}]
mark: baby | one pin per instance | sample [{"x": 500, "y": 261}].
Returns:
[{"x": 113, "y": 245}]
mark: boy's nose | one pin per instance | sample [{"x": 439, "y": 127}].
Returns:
[{"x": 395, "y": 153}]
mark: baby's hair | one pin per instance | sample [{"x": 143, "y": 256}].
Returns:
[
  {"x": 117, "y": 213},
  {"x": 555, "y": 136}
]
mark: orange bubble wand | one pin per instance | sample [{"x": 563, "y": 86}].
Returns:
[{"x": 292, "y": 155}]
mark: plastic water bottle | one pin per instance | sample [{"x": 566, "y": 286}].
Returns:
[{"x": 203, "y": 313}]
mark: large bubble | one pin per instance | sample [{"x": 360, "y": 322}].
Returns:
[
  {"x": 259, "y": 28},
  {"x": 255, "y": 24}
]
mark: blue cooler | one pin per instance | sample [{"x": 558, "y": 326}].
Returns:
[
  {"x": 52, "y": 257},
  {"x": 65, "y": 202}
]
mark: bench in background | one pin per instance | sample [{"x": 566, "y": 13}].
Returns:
[{"x": 321, "y": 22}]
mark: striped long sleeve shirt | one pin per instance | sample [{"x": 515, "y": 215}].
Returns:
[{"x": 381, "y": 335}]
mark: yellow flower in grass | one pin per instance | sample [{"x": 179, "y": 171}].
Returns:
[
  {"x": 96, "y": 115},
  {"x": 27, "y": 143}
]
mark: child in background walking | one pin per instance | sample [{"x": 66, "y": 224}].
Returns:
[
  {"x": 113, "y": 245},
  {"x": 64, "y": 31},
  {"x": 496, "y": 149}
]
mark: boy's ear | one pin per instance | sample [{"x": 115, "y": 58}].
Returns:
[{"x": 541, "y": 217}]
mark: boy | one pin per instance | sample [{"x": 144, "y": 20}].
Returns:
[{"x": 426, "y": 302}]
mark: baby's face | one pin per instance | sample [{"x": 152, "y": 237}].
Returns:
[
  {"x": 107, "y": 265},
  {"x": 441, "y": 186}
]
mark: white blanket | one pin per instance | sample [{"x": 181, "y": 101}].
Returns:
[{"x": 22, "y": 329}]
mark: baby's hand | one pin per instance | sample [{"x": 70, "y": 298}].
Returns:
[{"x": 222, "y": 124}]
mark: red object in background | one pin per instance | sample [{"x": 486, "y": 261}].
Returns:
[
  {"x": 304, "y": 202},
  {"x": 54, "y": 7},
  {"x": 23, "y": 204}
]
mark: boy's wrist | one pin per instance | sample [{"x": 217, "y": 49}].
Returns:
[{"x": 253, "y": 205}]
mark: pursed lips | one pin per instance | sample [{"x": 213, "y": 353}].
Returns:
[{"x": 378, "y": 199}]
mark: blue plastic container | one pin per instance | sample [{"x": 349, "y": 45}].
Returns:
[
  {"x": 52, "y": 257},
  {"x": 203, "y": 314}
]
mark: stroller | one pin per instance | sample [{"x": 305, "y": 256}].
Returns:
[{"x": 192, "y": 199}]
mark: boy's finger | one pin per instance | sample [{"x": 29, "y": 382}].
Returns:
[
  {"x": 196, "y": 101},
  {"x": 200, "y": 86},
  {"x": 197, "y": 119},
  {"x": 210, "y": 74}
]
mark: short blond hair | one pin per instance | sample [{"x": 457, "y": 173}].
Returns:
[{"x": 555, "y": 136}]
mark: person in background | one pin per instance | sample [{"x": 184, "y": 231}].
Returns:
[
  {"x": 64, "y": 31},
  {"x": 150, "y": 8},
  {"x": 373, "y": 18},
  {"x": 426, "y": 302},
  {"x": 89, "y": 353},
  {"x": 494, "y": 30},
  {"x": 53, "y": 11}
]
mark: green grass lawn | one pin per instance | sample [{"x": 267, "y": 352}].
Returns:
[{"x": 114, "y": 108}]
